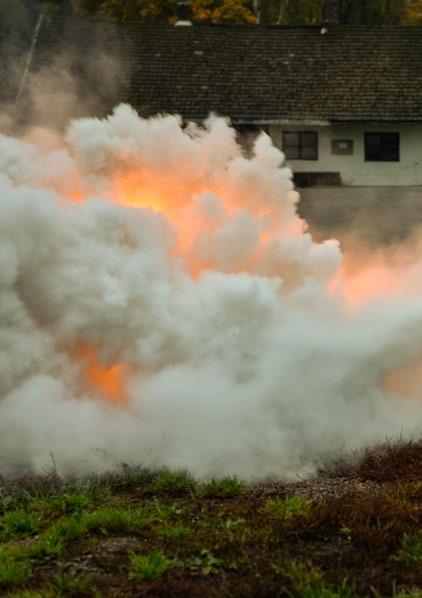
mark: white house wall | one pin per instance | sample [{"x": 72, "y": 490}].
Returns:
[{"x": 353, "y": 169}]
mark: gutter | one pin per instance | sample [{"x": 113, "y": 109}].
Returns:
[{"x": 29, "y": 58}]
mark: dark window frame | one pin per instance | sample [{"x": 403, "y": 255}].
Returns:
[
  {"x": 386, "y": 151},
  {"x": 301, "y": 146}
]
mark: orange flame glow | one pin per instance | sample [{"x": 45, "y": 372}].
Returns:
[{"x": 109, "y": 381}]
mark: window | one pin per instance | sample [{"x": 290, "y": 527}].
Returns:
[
  {"x": 316, "y": 179},
  {"x": 382, "y": 147},
  {"x": 300, "y": 145}
]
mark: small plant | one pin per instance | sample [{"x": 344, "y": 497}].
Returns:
[
  {"x": 176, "y": 532},
  {"x": 234, "y": 523},
  {"x": 289, "y": 507},
  {"x": 19, "y": 523},
  {"x": 157, "y": 509},
  {"x": 14, "y": 565},
  {"x": 223, "y": 488},
  {"x": 133, "y": 476},
  {"x": 111, "y": 519},
  {"x": 54, "y": 539},
  {"x": 204, "y": 563},
  {"x": 72, "y": 503},
  {"x": 411, "y": 549},
  {"x": 173, "y": 483},
  {"x": 149, "y": 566},
  {"x": 308, "y": 582},
  {"x": 68, "y": 585}
]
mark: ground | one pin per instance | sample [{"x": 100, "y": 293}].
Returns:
[{"x": 353, "y": 530}]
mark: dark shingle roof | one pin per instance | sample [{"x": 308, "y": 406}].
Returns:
[{"x": 254, "y": 73}]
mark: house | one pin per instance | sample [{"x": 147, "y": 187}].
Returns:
[{"x": 344, "y": 103}]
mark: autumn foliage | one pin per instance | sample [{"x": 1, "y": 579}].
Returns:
[{"x": 165, "y": 11}]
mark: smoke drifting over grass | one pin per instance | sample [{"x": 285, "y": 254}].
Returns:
[{"x": 161, "y": 302}]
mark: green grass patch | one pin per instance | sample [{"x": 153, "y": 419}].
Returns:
[
  {"x": 223, "y": 488},
  {"x": 15, "y": 566},
  {"x": 162, "y": 511},
  {"x": 73, "y": 503},
  {"x": 176, "y": 532},
  {"x": 149, "y": 566},
  {"x": 19, "y": 522},
  {"x": 411, "y": 549},
  {"x": 288, "y": 507},
  {"x": 103, "y": 521},
  {"x": 69, "y": 585},
  {"x": 306, "y": 581},
  {"x": 173, "y": 483}
]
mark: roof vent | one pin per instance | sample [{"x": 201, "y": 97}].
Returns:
[
  {"x": 330, "y": 16},
  {"x": 184, "y": 14}
]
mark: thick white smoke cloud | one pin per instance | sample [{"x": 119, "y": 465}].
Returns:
[{"x": 208, "y": 293}]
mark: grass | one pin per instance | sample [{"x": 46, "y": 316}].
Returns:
[
  {"x": 18, "y": 523},
  {"x": 13, "y": 571},
  {"x": 68, "y": 585},
  {"x": 149, "y": 566},
  {"x": 173, "y": 483},
  {"x": 176, "y": 532},
  {"x": 134, "y": 532},
  {"x": 307, "y": 581},
  {"x": 411, "y": 549},
  {"x": 288, "y": 507},
  {"x": 224, "y": 488}
]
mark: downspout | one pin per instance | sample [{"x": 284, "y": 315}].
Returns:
[{"x": 29, "y": 57}]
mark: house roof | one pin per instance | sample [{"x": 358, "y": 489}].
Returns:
[{"x": 249, "y": 73}]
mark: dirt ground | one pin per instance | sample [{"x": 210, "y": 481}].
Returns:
[{"x": 352, "y": 530}]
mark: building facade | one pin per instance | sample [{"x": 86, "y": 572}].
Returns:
[{"x": 343, "y": 103}]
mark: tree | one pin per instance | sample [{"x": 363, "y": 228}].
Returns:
[
  {"x": 350, "y": 12},
  {"x": 165, "y": 11},
  {"x": 413, "y": 13},
  {"x": 290, "y": 12}
]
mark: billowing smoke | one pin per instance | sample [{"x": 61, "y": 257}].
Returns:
[{"x": 162, "y": 303}]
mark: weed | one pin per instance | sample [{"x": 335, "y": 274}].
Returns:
[
  {"x": 233, "y": 523},
  {"x": 204, "y": 563},
  {"x": 289, "y": 507},
  {"x": 72, "y": 503},
  {"x": 68, "y": 585},
  {"x": 308, "y": 582},
  {"x": 74, "y": 526},
  {"x": 173, "y": 483},
  {"x": 14, "y": 565},
  {"x": 113, "y": 520},
  {"x": 223, "y": 488},
  {"x": 18, "y": 523},
  {"x": 133, "y": 476},
  {"x": 149, "y": 566},
  {"x": 162, "y": 510},
  {"x": 411, "y": 549},
  {"x": 54, "y": 539},
  {"x": 176, "y": 532},
  {"x": 414, "y": 593}
]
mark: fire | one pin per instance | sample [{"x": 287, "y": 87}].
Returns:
[
  {"x": 366, "y": 283},
  {"x": 405, "y": 382},
  {"x": 109, "y": 381}
]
